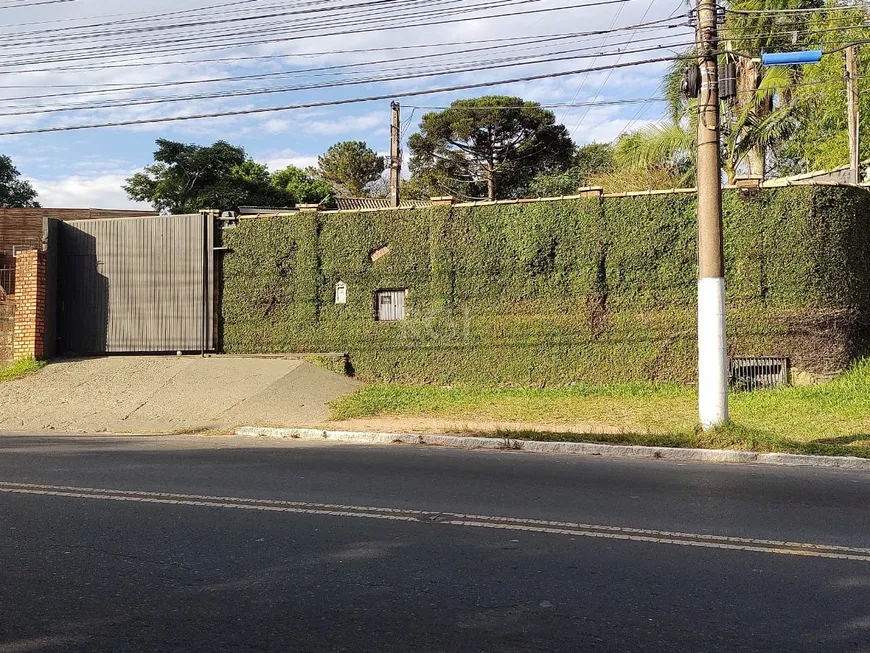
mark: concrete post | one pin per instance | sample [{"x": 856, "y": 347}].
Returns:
[{"x": 712, "y": 350}]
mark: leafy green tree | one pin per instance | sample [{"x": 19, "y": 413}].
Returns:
[
  {"x": 762, "y": 119},
  {"x": 593, "y": 158},
  {"x": 248, "y": 184},
  {"x": 492, "y": 146},
  {"x": 301, "y": 187},
  {"x": 416, "y": 188},
  {"x": 666, "y": 146},
  {"x": 350, "y": 167},
  {"x": 757, "y": 125},
  {"x": 186, "y": 178},
  {"x": 251, "y": 172},
  {"x": 784, "y": 120},
  {"x": 821, "y": 139},
  {"x": 589, "y": 160},
  {"x": 14, "y": 191},
  {"x": 624, "y": 180}
]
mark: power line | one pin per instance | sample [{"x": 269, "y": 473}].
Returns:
[
  {"x": 319, "y": 8},
  {"x": 807, "y": 10},
  {"x": 338, "y": 67},
  {"x": 643, "y": 109},
  {"x": 142, "y": 16},
  {"x": 506, "y": 41},
  {"x": 844, "y": 46},
  {"x": 126, "y": 51},
  {"x": 553, "y": 105},
  {"x": 609, "y": 74},
  {"x": 327, "y": 21},
  {"x": 525, "y": 60},
  {"x": 743, "y": 35},
  {"x": 309, "y": 27},
  {"x": 34, "y": 4},
  {"x": 585, "y": 77},
  {"x": 407, "y": 124},
  {"x": 472, "y": 67},
  {"x": 653, "y": 25},
  {"x": 327, "y": 103}
]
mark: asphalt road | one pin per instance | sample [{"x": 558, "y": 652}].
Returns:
[{"x": 230, "y": 544}]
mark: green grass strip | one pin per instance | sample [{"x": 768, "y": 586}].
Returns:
[
  {"x": 20, "y": 369},
  {"x": 832, "y": 418}
]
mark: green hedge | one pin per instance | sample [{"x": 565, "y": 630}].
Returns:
[{"x": 553, "y": 292}]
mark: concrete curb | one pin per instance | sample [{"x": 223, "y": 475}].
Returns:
[{"x": 607, "y": 450}]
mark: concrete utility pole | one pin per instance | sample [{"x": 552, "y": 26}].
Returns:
[
  {"x": 712, "y": 352},
  {"x": 853, "y": 112},
  {"x": 395, "y": 154}
]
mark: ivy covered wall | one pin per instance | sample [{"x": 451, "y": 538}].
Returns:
[{"x": 551, "y": 293}]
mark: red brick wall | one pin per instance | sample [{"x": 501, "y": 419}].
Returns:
[
  {"x": 29, "y": 336},
  {"x": 7, "y": 327}
]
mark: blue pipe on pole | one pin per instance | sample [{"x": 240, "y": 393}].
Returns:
[{"x": 790, "y": 58}]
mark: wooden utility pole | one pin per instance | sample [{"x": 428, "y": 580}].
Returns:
[
  {"x": 853, "y": 113},
  {"x": 395, "y": 154},
  {"x": 712, "y": 351}
]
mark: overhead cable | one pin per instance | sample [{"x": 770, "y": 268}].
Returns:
[{"x": 338, "y": 102}]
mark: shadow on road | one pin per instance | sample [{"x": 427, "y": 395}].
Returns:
[{"x": 81, "y": 574}]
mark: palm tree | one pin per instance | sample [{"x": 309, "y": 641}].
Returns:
[
  {"x": 761, "y": 115},
  {"x": 757, "y": 122}
]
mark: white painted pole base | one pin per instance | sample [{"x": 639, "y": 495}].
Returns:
[{"x": 712, "y": 353}]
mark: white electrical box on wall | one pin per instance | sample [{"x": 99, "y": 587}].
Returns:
[{"x": 341, "y": 293}]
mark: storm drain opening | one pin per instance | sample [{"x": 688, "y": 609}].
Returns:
[{"x": 758, "y": 373}]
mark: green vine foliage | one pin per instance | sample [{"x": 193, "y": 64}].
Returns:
[{"x": 553, "y": 293}]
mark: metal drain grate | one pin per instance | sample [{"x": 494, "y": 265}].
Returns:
[{"x": 760, "y": 372}]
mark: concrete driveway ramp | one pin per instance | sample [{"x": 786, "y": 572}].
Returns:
[{"x": 162, "y": 394}]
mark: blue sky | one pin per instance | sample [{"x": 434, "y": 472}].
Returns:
[{"x": 86, "y": 168}]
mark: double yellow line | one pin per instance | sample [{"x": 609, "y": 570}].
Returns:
[{"x": 571, "y": 529}]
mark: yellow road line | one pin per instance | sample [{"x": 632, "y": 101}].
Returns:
[
  {"x": 666, "y": 534},
  {"x": 209, "y": 504},
  {"x": 206, "y": 497},
  {"x": 453, "y": 515},
  {"x": 457, "y": 519},
  {"x": 662, "y": 540}
]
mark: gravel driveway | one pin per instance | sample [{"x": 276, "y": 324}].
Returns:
[{"x": 166, "y": 394}]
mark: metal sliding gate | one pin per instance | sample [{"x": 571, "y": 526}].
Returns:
[{"x": 136, "y": 285}]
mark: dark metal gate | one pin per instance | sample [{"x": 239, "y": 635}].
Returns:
[{"x": 136, "y": 285}]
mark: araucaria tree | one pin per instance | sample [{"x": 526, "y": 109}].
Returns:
[
  {"x": 491, "y": 146},
  {"x": 350, "y": 167}
]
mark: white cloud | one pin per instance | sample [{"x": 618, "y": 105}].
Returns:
[
  {"x": 306, "y": 130},
  {"x": 357, "y": 126},
  {"x": 100, "y": 192},
  {"x": 280, "y": 159},
  {"x": 607, "y": 130},
  {"x": 349, "y": 124},
  {"x": 278, "y": 126}
]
